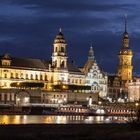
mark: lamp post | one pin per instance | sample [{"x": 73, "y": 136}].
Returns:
[
  {"x": 136, "y": 104},
  {"x": 137, "y": 114},
  {"x": 18, "y": 100}
]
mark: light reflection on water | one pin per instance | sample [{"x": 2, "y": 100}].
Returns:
[{"x": 48, "y": 119}]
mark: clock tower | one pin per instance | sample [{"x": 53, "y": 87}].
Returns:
[{"x": 125, "y": 59}]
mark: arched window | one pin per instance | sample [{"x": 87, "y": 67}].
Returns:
[
  {"x": 36, "y": 77},
  {"x": 5, "y": 75},
  {"x": 62, "y": 49},
  {"x": 55, "y": 49},
  {"x": 21, "y": 75},
  {"x": 17, "y": 75},
  {"x": 31, "y": 76},
  {"x": 55, "y": 63},
  {"x": 26, "y": 76},
  {"x": 41, "y": 77},
  {"x": 46, "y": 78},
  {"x": 12, "y": 75},
  {"x": 62, "y": 64}
]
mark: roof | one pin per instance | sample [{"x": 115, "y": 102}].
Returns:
[
  {"x": 88, "y": 66},
  {"x": 59, "y": 39},
  {"x": 73, "y": 68},
  {"x": 28, "y": 63}
]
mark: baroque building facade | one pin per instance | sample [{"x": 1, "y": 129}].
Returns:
[
  {"x": 95, "y": 77},
  {"x": 18, "y": 73}
]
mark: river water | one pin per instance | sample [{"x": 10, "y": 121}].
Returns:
[{"x": 51, "y": 119}]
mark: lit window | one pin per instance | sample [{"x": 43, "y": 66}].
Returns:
[
  {"x": 41, "y": 77},
  {"x": 17, "y": 75},
  {"x": 31, "y": 77},
  {"x": 46, "y": 78},
  {"x": 5, "y": 75},
  {"x": 26, "y": 76},
  {"x": 21, "y": 75},
  {"x": 36, "y": 77},
  {"x": 12, "y": 75}
]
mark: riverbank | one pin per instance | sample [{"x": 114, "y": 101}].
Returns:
[{"x": 69, "y": 132}]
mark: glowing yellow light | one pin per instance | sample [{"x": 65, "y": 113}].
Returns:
[{"x": 136, "y": 104}]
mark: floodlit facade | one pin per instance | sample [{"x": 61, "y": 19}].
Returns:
[
  {"x": 95, "y": 77},
  {"x": 18, "y": 73},
  {"x": 134, "y": 90}
]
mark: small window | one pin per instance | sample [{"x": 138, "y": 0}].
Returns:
[
  {"x": 46, "y": 79},
  {"x": 12, "y": 75},
  {"x": 41, "y": 77},
  {"x": 17, "y": 75},
  {"x": 36, "y": 77},
  {"x": 5, "y": 75},
  {"x": 26, "y": 76},
  {"x": 21, "y": 75},
  {"x": 31, "y": 76},
  {"x": 62, "y": 49}
]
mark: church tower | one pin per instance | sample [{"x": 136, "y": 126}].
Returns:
[
  {"x": 59, "y": 56},
  {"x": 90, "y": 61},
  {"x": 59, "y": 60},
  {"x": 91, "y": 54},
  {"x": 125, "y": 59}
]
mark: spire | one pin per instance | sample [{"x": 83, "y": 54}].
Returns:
[
  {"x": 91, "y": 53},
  {"x": 125, "y": 34},
  {"x": 60, "y": 30},
  {"x": 125, "y": 21}
]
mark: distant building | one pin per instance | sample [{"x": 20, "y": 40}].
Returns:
[
  {"x": 134, "y": 90},
  {"x": 95, "y": 77}
]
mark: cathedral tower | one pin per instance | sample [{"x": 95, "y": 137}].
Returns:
[
  {"x": 125, "y": 58},
  {"x": 59, "y": 56}
]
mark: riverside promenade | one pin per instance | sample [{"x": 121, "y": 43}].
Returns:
[{"x": 70, "y": 132}]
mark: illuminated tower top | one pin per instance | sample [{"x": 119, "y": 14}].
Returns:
[
  {"x": 125, "y": 58},
  {"x": 59, "y": 56},
  {"x": 125, "y": 41},
  {"x": 91, "y": 53}
]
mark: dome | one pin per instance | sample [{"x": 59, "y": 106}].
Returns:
[
  {"x": 59, "y": 38},
  {"x": 126, "y": 51}
]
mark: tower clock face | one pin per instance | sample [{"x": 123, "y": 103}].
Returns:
[{"x": 125, "y": 61}]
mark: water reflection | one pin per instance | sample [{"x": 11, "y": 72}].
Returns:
[{"x": 43, "y": 119}]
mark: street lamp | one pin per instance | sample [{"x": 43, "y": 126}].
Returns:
[
  {"x": 136, "y": 104},
  {"x": 18, "y": 100},
  {"x": 99, "y": 102}
]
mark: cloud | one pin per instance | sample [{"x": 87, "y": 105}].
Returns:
[{"x": 28, "y": 28}]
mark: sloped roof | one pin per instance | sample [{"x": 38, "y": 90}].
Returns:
[
  {"x": 88, "y": 66},
  {"x": 73, "y": 68},
  {"x": 28, "y": 63}
]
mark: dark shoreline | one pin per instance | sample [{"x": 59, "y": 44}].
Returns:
[{"x": 69, "y": 132}]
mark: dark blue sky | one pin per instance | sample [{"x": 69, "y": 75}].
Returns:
[{"x": 28, "y": 28}]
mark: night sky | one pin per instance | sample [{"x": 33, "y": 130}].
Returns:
[{"x": 28, "y": 28}]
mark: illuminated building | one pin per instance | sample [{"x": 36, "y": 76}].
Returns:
[
  {"x": 26, "y": 80},
  {"x": 118, "y": 84},
  {"x": 134, "y": 90},
  {"x": 95, "y": 77}
]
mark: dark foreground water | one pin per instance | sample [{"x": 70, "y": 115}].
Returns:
[{"x": 45, "y": 119}]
